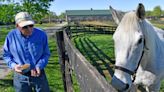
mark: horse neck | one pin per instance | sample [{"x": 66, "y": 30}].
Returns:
[{"x": 151, "y": 42}]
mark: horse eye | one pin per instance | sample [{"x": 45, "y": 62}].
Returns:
[{"x": 139, "y": 41}]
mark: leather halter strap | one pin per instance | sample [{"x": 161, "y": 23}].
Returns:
[{"x": 124, "y": 69}]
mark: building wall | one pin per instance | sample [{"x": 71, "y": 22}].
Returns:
[{"x": 89, "y": 18}]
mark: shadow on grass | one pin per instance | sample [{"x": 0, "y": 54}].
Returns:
[
  {"x": 95, "y": 55},
  {"x": 100, "y": 55},
  {"x": 101, "y": 52},
  {"x": 6, "y": 82},
  {"x": 53, "y": 69},
  {"x": 90, "y": 54}
]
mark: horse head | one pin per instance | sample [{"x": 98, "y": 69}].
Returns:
[{"x": 129, "y": 46}]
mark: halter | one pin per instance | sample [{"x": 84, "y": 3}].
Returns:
[{"x": 133, "y": 73}]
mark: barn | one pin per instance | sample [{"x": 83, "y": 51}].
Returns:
[{"x": 88, "y": 15}]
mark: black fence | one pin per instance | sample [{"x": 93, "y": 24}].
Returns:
[{"x": 75, "y": 30}]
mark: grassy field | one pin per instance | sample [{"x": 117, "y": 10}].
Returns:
[
  {"x": 158, "y": 24},
  {"x": 45, "y": 25},
  {"x": 98, "y": 50},
  {"x": 104, "y": 23}
]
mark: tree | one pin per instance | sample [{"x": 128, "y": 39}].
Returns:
[
  {"x": 157, "y": 11},
  {"x": 8, "y": 12},
  {"x": 37, "y": 8},
  {"x": 148, "y": 13},
  {"x": 51, "y": 16},
  {"x": 62, "y": 15},
  {"x": 162, "y": 13}
]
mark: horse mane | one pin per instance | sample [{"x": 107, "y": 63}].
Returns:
[{"x": 128, "y": 25}]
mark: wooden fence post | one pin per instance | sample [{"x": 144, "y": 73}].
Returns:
[{"x": 64, "y": 62}]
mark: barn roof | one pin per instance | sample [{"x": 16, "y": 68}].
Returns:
[{"x": 87, "y": 12}]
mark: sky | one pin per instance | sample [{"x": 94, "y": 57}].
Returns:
[{"x": 59, "y": 6}]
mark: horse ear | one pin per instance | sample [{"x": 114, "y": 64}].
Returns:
[
  {"x": 117, "y": 15},
  {"x": 140, "y": 11}
]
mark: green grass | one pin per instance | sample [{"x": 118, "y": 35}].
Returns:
[
  {"x": 45, "y": 25},
  {"x": 103, "y": 42},
  {"x": 3, "y": 32},
  {"x": 162, "y": 86},
  {"x": 53, "y": 69},
  {"x": 98, "y": 50},
  {"x": 6, "y": 83},
  {"x": 159, "y": 24}
]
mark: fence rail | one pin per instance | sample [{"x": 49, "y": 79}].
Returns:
[{"x": 75, "y": 30}]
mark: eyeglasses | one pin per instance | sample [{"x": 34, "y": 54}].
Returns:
[{"x": 26, "y": 27}]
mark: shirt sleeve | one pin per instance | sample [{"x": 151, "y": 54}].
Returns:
[
  {"x": 7, "y": 56},
  {"x": 43, "y": 61}
]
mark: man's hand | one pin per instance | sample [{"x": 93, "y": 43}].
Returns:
[
  {"x": 18, "y": 68},
  {"x": 38, "y": 72},
  {"x": 35, "y": 72}
]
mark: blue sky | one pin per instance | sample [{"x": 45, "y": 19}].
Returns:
[{"x": 59, "y": 6}]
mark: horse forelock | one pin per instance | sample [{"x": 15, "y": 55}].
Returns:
[
  {"x": 129, "y": 22},
  {"x": 127, "y": 27}
]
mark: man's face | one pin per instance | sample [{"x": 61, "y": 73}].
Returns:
[{"x": 26, "y": 30}]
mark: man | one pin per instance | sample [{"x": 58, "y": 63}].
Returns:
[{"x": 26, "y": 51}]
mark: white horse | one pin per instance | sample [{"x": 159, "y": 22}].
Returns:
[{"x": 139, "y": 51}]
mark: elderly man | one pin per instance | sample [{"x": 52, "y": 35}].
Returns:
[{"x": 26, "y": 51}]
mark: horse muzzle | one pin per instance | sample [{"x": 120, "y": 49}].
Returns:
[{"x": 119, "y": 85}]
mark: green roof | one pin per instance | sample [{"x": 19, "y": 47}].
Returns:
[{"x": 88, "y": 12}]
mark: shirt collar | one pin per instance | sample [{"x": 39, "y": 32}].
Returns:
[{"x": 19, "y": 33}]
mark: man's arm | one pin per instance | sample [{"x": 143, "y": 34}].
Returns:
[
  {"x": 7, "y": 56},
  {"x": 43, "y": 61}
]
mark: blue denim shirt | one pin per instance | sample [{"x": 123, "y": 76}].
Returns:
[{"x": 32, "y": 50}]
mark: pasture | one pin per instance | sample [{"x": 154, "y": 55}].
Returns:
[{"x": 98, "y": 50}]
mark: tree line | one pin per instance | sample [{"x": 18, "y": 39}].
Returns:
[
  {"x": 156, "y": 12},
  {"x": 38, "y": 9}
]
